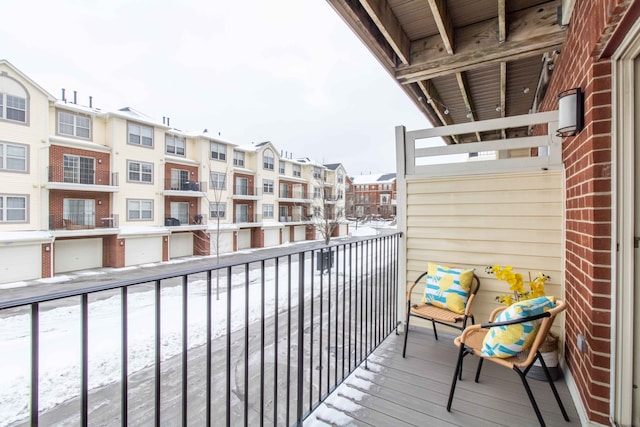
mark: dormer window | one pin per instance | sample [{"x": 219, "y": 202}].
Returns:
[
  {"x": 268, "y": 160},
  {"x": 13, "y": 100}
]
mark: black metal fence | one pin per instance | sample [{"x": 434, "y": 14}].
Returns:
[{"x": 260, "y": 342}]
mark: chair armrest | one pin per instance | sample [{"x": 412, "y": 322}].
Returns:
[
  {"x": 414, "y": 285},
  {"x": 495, "y": 313},
  {"x": 516, "y": 321}
]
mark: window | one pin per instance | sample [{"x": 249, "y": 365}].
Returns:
[
  {"x": 180, "y": 179},
  {"x": 78, "y": 170},
  {"x": 218, "y": 210},
  {"x": 317, "y": 192},
  {"x": 267, "y": 186},
  {"x": 340, "y": 194},
  {"x": 267, "y": 211},
  {"x": 13, "y": 157},
  {"x": 218, "y": 181},
  {"x": 140, "y": 135},
  {"x": 268, "y": 160},
  {"x": 174, "y": 145},
  {"x": 13, "y": 208},
  {"x": 297, "y": 171},
  {"x": 284, "y": 213},
  {"x": 180, "y": 211},
  {"x": 317, "y": 173},
  {"x": 238, "y": 158},
  {"x": 317, "y": 211},
  {"x": 140, "y": 172},
  {"x": 242, "y": 186},
  {"x": 74, "y": 125},
  {"x": 218, "y": 151},
  {"x": 242, "y": 213},
  {"x": 340, "y": 177},
  {"x": 13, "y": 100},
  {"x": 281, "y": 168},
  {"x": 79, "y": 211},
  {"x": 139, "y": 210}
]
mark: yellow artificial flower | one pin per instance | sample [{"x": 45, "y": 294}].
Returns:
[{"x": 516, "y": 284}]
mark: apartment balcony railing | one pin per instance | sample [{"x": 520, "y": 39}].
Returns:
[
  {"x": 293, "y": 194},
  {"x": 247, "y": 218},
  {"x": 247, "y": 193},
  {"x": 296, "y": 217},
  {"x": 198, "y": 219},
  {"x": 184, "y": 185},
  {"x": 84, "y": 221},
  {"x": 69, "y": 176},
  {"x": 241, "y": 343}
]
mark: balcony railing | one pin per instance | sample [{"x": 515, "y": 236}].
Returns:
[
  {"x": 293, "y": 194},
  {"x": 296, "y": 217},
  {"x": 184, "y": 185},
  {"x": 198, "y": 219},
  {"x": 241, "y": 343},
  {"x": 247, "y": 191},
  {"x": 84, "y": 221},
  {"x": 85, "y": 177},
  {"x": 242, "y": 218}
]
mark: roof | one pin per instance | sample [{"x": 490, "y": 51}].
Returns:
[
  {"x": 333, "y": 166},
  {"x": 25, "y": 77},
  {"x": 373, "y": 179},
  {"x": 463, "y": 60}
]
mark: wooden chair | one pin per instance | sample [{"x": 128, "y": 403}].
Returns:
[
  {"x": 436, "y": 314},
  {"x": 471, "y": 342}
]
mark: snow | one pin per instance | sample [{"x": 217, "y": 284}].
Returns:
[
  {"x": 363, "y": 231},
  {"x": 60, "y": 337}
]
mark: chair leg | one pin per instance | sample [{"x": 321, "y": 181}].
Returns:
[
  {"x": 479, "y": 368},
  {"x": 406, "y": 332},
  {"x": 456, "y": 373},
  {"x": 435, "y": 333},
  {"x": 553, "y": 386},
  {"x": 523, "y": 377}
]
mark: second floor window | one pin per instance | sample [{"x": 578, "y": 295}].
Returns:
[
  {"x": 139, "y": 210},
  {"x": 218, "y": 210},
  {"x": 238, "y": 158},
  {"x": 340, "y": 178},
  {"x": 267, "y": 186},
  {"x": 317, "y": 192},
  {"x": 13, "y": 208},
  {"x": 13, "y": 106},
  {"x": 268, "y": 160},
  {"x": 218, "y": 151},
  {"x": 13, "y": 157},
  {"x": 317, "y": 173},
  {"x": 297, "y": 171},
  {"x": 281, "y": 170},
  {"x": 79, "y": 170},
  {"x": 218, "y": 181},
  {"x": 174, "y": 145},
  {"x": 74, "y": 125},
  {"x": 140, "y": 135},
  {"x": 140, "y": 172},
  {"x": 267, "y": 211}
]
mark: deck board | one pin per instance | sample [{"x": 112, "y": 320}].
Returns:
[{"x": 413, "y": 391}]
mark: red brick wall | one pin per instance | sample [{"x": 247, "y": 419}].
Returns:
[
  {"x": 56, "y": 204},
  {"x": 56, "y": 163},
  {"x": 193, "y": 173},
  {"x": 47, "y": 260},
  {"x": 113, "y": 250},
  {"x": 201, "y": 242},
  {"x": 194, "y": 205},
  {"x": 587, "y": 159}
]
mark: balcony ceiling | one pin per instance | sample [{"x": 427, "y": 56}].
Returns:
[{"x": 463, "y": 60}]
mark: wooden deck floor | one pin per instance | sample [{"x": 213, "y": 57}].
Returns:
[{"x": 413, "y": 391}]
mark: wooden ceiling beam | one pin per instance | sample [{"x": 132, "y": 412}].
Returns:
[
  {"x": 383, "y": 17},
  {"x": 433, "y": 99},
  {"x": 502, "y": 21},
  {"x": 444, "y": 23},
  {"x": 503, "y": 94},
  {"x": 468, "y": 101},
  {"x": 357, "y": 18},
  {"x": 531, "y": 31}
]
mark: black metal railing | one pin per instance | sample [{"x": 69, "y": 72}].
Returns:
[
  {"x": 77, "y": 176},
  {"x": 83, "y": 221},
  {"x": 179, "y": 184},
  {"x": 260, "y": 342}
]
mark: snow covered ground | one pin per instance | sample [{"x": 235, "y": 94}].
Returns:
[{"x": 60, "y": 336}]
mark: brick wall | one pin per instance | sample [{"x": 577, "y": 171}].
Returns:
[
  {"x": 56, "y": 163},
  {"x": 113, "y": 251},
  {"x": 587, "y": 159},
  {"x": 47, "y": 260},
  {"x": 56, "y": 204},
  {"x": 201, "y": 243}
]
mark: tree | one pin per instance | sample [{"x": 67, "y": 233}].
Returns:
[{"x": 327, "y": 215}]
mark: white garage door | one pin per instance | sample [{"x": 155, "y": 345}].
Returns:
[
  {"x": 271, "y": 237},
  {"x": 225, "y": 243},
  {"x": 20, "y": 263},
  {"x": 244, "y": 239},
  {"x": 299, "y": 233},
  {"x": 286, "y": 234},
  {"x": 143, "y": 250},
  {"x": 180, "y": 244},
  {"x": 80, "y": 254}
]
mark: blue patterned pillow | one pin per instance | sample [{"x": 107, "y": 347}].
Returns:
[
  {"x": 507, "y": 341},
  {"x": 447, "y": 287}
]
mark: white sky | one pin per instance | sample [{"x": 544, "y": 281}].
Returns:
[{"x": 288, "y": 71}]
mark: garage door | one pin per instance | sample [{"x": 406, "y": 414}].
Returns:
[
  {"x": 20, "y": 263},
  {"x": 271, "y": 237},
  {"x": 180, "y": 244},
  {"x": 299, "y": 233},
  {"x": 143, "y": 250},
  {"x": 225, "y": 242},
  {"x": 80, "y": 254},
  {"x": 244, "y": 239}
]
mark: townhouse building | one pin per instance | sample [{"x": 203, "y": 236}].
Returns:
[
  {"x": 375, "y": 196},
  {"x": 85, "y": 188}
]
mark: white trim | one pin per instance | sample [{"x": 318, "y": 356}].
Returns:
[
  {"x": 622, "y": 268},
  {"x": 401, "y": 197},
  {"x": 575, "y": 396}
]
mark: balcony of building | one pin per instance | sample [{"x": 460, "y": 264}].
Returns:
[
  {"x": 82, "y": 221},
  {"x": 289, "y": 195},
  {"x": 246, "y": 193},
  {"x": 74, "y": 179},
  {"x": 197, "y": 221},
  {"x": 184, "y": 187}
]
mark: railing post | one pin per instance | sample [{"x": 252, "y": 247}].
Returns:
[
  {"x": 35, "y": 362},
  {"x": 300, "y": 389}
]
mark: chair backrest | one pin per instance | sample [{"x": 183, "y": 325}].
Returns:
[
  {"x": 475, "y": 287},
  {"x": 543, "y": 330}
]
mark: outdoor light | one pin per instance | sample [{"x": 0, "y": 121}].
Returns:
[
  {"x": 570, "y": 112},
  {"x": 47, "y": 248}
]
